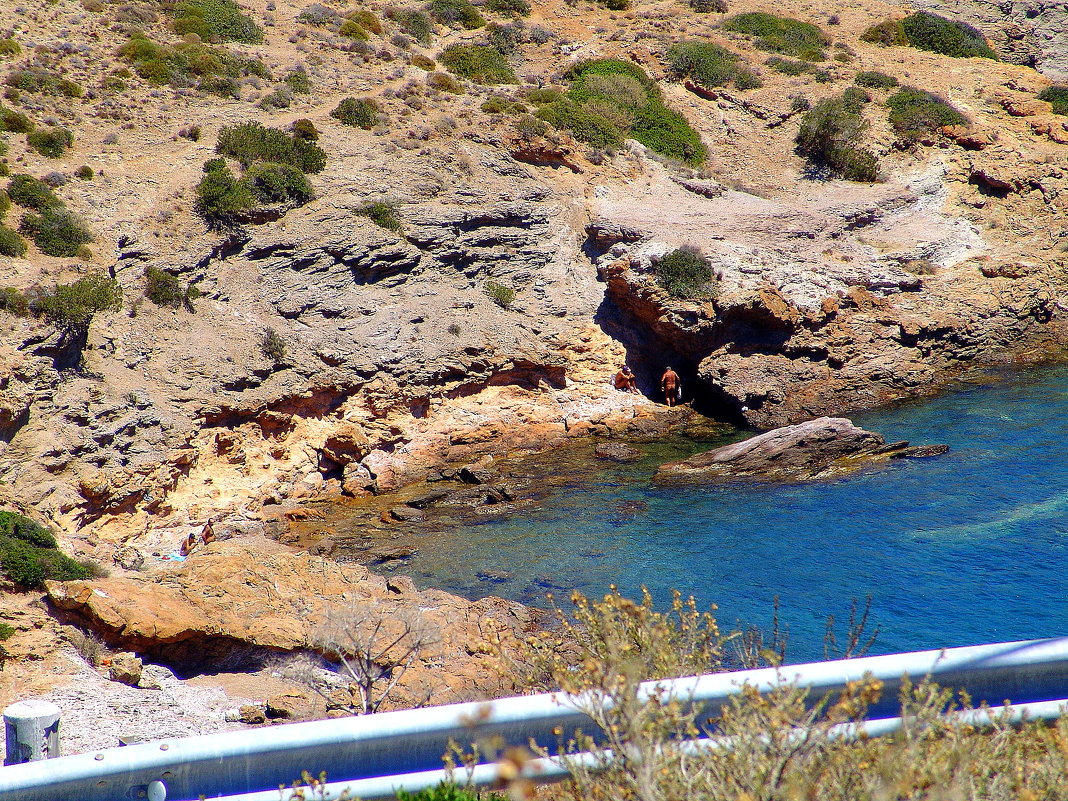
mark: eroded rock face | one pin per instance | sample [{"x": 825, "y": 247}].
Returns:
[
  {"x": 235, "y": 600},
  {"x": 817, "y": 448}
]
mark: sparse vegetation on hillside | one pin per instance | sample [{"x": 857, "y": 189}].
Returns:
[
  {"x": 14, "y": 121},
  {"x": 11, "y": 244},
  {"x": 609, "y": 100},
  {"x": 875, "y": 80},
  {"x": 1056, "y": 95},
  {"x": 830, "y": 136},
  {"x": 501, "y": 294},
  {"x": 50, "y": 142},
  {"x": 277, "y": 183},
  {"x": 456, "y": 14},
  {"x": 382, "y": 214},
  {"x": 479, "y": 63},
  {"x": 216, "y": 21},
  {"x": 785, "y": 35},
  {"x": 29, "y": 554},
  {"x": 514, "y": 8},
  {"x": 162, "y": 288},
  {"x": 36, "y": 80},
  {"x": 916, "y": 115},
  {"x": 359, "y": 113},
  {"x": 209, "y": 69},
  {"x": 251, "y": 141},
  {"x": 56, "y": 231},
  {"x": 685, "y": 273},
  {"x": 220, "y": 196},
  {"x": 926, "y": 31},
  {"x": 412, "y": 22},
  {"x": 708, "y": 65},
  {"x": 273, "y": 346},
  {"x": 71, "y": 307},
  {"x": 30, "y": 193}
]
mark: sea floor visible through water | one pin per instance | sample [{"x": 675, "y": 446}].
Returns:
[{"x": 965, "y": 548}]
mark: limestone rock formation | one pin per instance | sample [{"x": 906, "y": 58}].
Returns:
[{"x": 813, "y": 449}]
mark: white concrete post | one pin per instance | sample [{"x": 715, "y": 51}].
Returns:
[{"x": 31, "y": 730}]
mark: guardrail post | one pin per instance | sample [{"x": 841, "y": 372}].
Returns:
[{"x": 31, "y": 730}]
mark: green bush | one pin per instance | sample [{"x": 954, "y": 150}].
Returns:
[
  {"x": 50, "y": 142},
  {"x": 361, "y": 113},
  {"x": 1058, "y": 96},
  {"x": 84, "y": 173},
  {"x": 855, "y": 98},
  {"x": 277, "y": 183},
  {"x": 251, "y": 141},
  {"x": 667, "y": 132},
  {"x": 273, "y": 346},
  {"x": 789, "y": 67},
  {"x": 444, "y": 82},
  {"x": 889, "y": 33},
  {"x": 305, "y": 129},
  {"x": 366, "y": 20},
  {"x": 6, "y": 632},
  {"x": 829, "y": 136},
  {"x": 11, "y": 244},
  {"x": 351, "y": 29},
  {"x": 8, "y": 48},
  {"x": 685, "y": 273},
  {"x": 586, "y": 124},
  {"x": 162, "y": 288},
  {"x": 785, "y": 35},
  {"x": 382, "y": 214},
  {"x": 708, "y": 65},
  {"x": 916, "y": 114},
  {"x": 448, "y": 792},
  {"x": 220, "y": 197},
  {"x": 299, "y": 82},
  {"x": 709, "y": 6},
  {"x": 505, "y": 38},
  {"x": 936, "y": 34},
  {"x": 216, "y": 21},
  {"x": 875, "y": 80},
  {"x": 502, "y": 105},
  {"x": 71, "y": 307},
  {"x": 14, "y": 302},
  {"x": 501, "y": 294},
  {"x": 12, "y": 524},
  {"x": 515, "y": 8},
  {"x": 40, "y": 81},
  {"x": 455, "y": 14},
  {"x": 56, "y": 231},
  {"x": 29, "y": 566},
  {"x": 30, "y": 193},
  {"x": 14, "y": 121},
  {"x": 478, "y": 63},
  {"x": 412, "y": 22},
  {"x": 209, "y": 69}
]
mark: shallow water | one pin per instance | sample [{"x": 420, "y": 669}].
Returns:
[{"x": 966, "y": 548}]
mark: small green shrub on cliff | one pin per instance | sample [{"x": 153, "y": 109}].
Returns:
[
  {"x": 220, "y": 197},
  {"x": 251, "y": 141},
  {"x": 41, "y": 81},
  {"x": 29, "y": 566},
  {"x": 444, "y": 82},
  {"x": 478, "y": 63},
  {"x": 56, "y": 231},
  {"x": 829, "y": 136},
  {"x": 367, "y": 20},
  {"x": 216, "y": 21},
  {"x": 456, "y": 14},
  {"x": 501, "y": 294},
  {"x": 936, "y": 34},
  {"x": 790, "y": 67},
  {"x": 9, "y": 48},
  {"x": 351, "y": 29},
  {"x": 50, "y": 142},
  {"x": 362, "y": 113},
  {"x": 209, "y": 69},
  {"x": 273, "y": 346},
  {"x": 71, "y": 307},
  {"x": 6, "y": 632},
  {"x": 12, "y": 524},
  {"x": 514, "y": 8},
  {"x": 305, "y": 129},
  {"x": 708, "y": 65},
  {"x": 299, "y": 82},
  {"x": 28, "y": 192},
  {"x": 14, "y": 302},
  {"x": 875, "y": 80},
  {"x": 162, "y": 288},
  {"x": 888, "y": 33},
  {"x": 916, "y": 114},
  {"x": 14, "y": 121},
  {"x": 685, "y": 273},
  {"x": 277, "y": 183},
  {"x": 11, "y": 244},
  {"x": 785, "y": 35},
  {"x": 382, "y": 214},
  {"x": 412, "y": 22},
  {"x": 1058, "y": 96}
]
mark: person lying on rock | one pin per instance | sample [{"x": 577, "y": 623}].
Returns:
[
  {"x": 624, "y": 380},
  {"x": 669, "y": 382}
]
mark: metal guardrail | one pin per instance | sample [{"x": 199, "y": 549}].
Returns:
[{"x": 377, "y": 754}]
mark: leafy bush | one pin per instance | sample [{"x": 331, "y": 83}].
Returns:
[
  {"x": 785, "y": 35},
  {"x": 366, "y": 20},
  {"x": 12, "y": 524},
  {"x": 84, "y": 173},
  {"x": 351, "y": 29},
  {"x": 889, "y": 33},
  {"x": 28, "y": 192},
  {"x": 251, "y": 141},
  {"x": 277, "y": 183},
  {"x": 14, "y": 302},
  {"x": 916, "y": 114},
  {"x": 8, "y": 48},
  {"x": 305, "y": 129},
  {"x": 29, "y": 566},
  {"x": 505, "y": 38},
  {"x": 11, "y": 244},
  {"x": 855, "y": 98},
  {"x": 361, "y": 113},
  {"x": 478, "y": 63},
  {"x": 829, "y": 136},
  {"x": 444, "y": 82},
  {"x": 209, "y": 69},
  {"x": 6, "y": 632},
  {"x": 1058, "y": 96},
  {"x": 71, "y": 307},
  {"x": 515, "y": 8},
  {"x": 14, "y": 121},
  {"x": 422, "y": 62},
  {"x": 790, "y": 67},
  {"x": 455, "y": 14},
  {"x": 502, "y": 105},
  {"x": 298, "y": 81},
  {"x": 501, "y": 294},
  {"x": 685, "y": 273},
  {"x": 273, "y": 346},
  {"x": 221, "y": 196},
  {"x": 50, "y": 142},
  {"x": 586, "y": 124},
  {"x": 216, "y": 21},
  {"x": 936, "y": 34},
  {"x": 709, "y": 6},
  {"x": 412, "y": 22},
  {"x": 382, "y": 214},
  {"x": 875, "y": 80},
  {"x": 708, "y": 65},
  {"x": 56, "y": 231},
  {"x": 40, "y": 81},
  {"x": 162, "y": 288}
]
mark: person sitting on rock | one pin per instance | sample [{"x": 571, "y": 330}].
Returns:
[
  {"x": 188, "y": 544},
  {"x": 624, "y": 380},
  {"x": 669, "y": 382},
  {"x": 207, "y": 534}
]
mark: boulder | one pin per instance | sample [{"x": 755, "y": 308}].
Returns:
[
  {"x": 817, "y": 448},
  {"x": 617, "y": 452},
  {"x": 125, "y": 669}
]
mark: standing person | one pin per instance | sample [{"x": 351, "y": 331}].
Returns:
[
  {"x": 624, "y": 380},
  {"x": 669, "y": 382}
]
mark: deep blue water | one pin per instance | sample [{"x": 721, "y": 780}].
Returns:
[{"x": 966, "y": 548}]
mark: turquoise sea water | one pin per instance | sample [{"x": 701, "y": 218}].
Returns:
[{"x": 966, "y": 548}]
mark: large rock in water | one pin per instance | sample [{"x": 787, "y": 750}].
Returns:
[{"x": 817, "y": 448}]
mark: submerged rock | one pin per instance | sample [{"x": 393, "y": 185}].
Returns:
[
  {"x": 617, "y": 452},
  {"x": 814, "y": 449}
]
